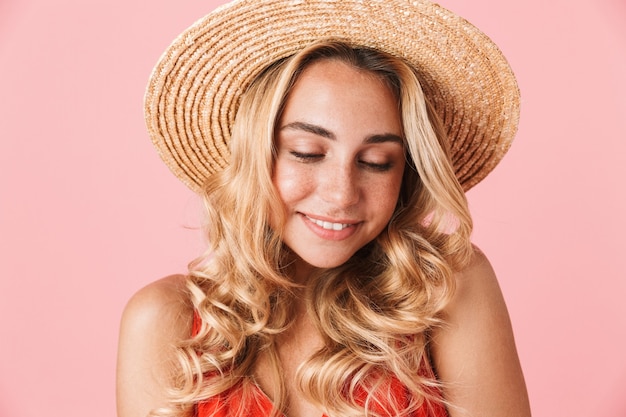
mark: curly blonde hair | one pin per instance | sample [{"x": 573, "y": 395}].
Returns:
[{"x": 374, "y": 312}]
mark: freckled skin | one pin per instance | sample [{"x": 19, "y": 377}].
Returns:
[{"x": 329, "y": 169}]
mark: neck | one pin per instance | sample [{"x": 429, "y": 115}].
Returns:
[{"x": 302, "y": 271}]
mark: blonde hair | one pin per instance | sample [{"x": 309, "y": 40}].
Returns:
[{"x": 374, "y": 312}]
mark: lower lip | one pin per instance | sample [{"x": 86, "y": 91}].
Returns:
[{"x": 330, "y": 234}]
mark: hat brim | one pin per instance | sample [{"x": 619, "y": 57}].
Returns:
[{"x": 193, "y": 93}]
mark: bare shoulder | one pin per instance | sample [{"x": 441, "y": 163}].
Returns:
[
  {"x": 475, "y": 353},
  {"x": 156, "y": 319},
  {"x": 477, "y": 280},
  {"x": 477, "y": 297},
  {"x": 164, "y": 301}
]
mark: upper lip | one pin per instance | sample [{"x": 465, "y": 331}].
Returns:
[{"x": 331, "y": 219}]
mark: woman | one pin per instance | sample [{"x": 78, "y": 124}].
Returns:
[{"x": 340, "y": 278}]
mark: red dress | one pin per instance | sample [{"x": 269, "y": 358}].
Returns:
[{"x": 227, "y": 403}]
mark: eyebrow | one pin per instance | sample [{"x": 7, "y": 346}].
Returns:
[{"x": 325, "y": 133}]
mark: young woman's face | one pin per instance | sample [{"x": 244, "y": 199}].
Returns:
[{"x": 339, "y": 163}]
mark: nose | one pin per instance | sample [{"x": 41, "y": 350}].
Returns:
[{"x": 340, "y": 186}]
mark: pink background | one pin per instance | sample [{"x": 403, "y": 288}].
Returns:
[{"x": 89, "y": 214}]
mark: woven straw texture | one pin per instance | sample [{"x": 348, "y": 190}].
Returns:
[{"x": 194, "y": 90}]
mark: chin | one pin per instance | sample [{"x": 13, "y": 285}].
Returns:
[{"x": 308, "y": 262}]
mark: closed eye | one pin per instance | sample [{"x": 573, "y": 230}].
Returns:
[
  {"x": 377, "y": 167},
  {"x": 306, "y": 157}
]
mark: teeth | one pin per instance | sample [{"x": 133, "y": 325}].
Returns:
[{"x": 329, "y": 225}]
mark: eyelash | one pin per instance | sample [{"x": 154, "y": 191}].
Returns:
[
  {"x": 312, "y": 157},
  {"x": 378, "y": 167},
  {"x": 306, "y": 157}
]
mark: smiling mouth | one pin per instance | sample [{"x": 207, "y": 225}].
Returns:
[{"x": 329, "y": 225}]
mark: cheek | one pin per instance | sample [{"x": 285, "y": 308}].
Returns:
[
  {"x": 292, "y": 184},
  {"x": 386, "y": 196}
]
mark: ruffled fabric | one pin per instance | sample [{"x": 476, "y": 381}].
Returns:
[{"x": 231, "y": 403}]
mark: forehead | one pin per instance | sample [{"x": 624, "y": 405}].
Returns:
[
  {"x": 338, "y": 78},
  {"x": 338, "y": 66},
  {"x": 342, "y": 99}
]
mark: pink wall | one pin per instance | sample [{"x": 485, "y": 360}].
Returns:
[{"x": 88, "y": 213}]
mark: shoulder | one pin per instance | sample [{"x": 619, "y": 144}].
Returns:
[
  {"x": 477, "y": 278},
  {"x": 477, "y": 296},
  {"x": 165, "y": 301},
  {"x": 476, "y": 301},
  {"x": 474, "y": 352},
  {"x": 156, "y": 319}
]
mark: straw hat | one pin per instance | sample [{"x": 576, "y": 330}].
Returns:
[{"x": 194, "y": 90}]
